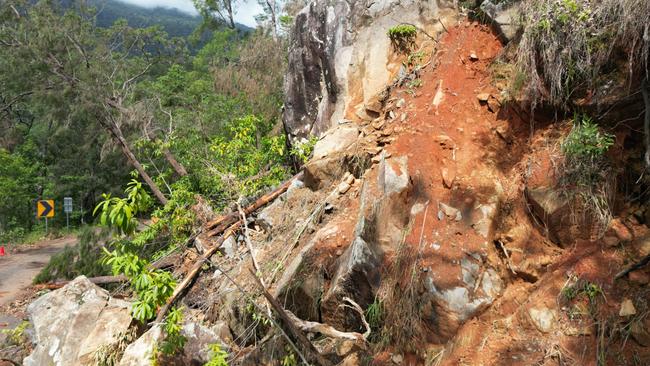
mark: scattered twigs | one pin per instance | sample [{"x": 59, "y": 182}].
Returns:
[
  {"x": 505, "y": 253},
  {"x": 315, "y": 215},
  {"x": 443, "y": 25},
  {"x": 195, "y": 270},
  {"x": 218, "y": 225},
  {"x": 310, "y": 351},
  {"x": 248, "y": 295}
]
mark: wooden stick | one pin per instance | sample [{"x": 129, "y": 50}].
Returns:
[
  {"x": 310, "y": 351},
  {"x": 194, "y": 271},
  {"x": 324, "y": 329},
  {"x": 218, "y": 225}
]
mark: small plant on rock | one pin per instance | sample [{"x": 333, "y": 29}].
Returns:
[{"x": 402, "y": 37}]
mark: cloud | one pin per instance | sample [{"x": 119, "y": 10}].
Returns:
[{"x": 245, "y": 12}]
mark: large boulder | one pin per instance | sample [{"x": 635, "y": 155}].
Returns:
[
  {"x": 340, "y": 58},
  {"x": 383, "y": 215},
  {"x": 505, "y": 18},
  {"x": 198, "y": 338},
  {"x": 72, "y": 323}
]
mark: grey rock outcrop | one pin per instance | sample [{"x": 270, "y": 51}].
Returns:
[
  {"x": 504, "y": 17},
  {"x": 72, "y": 323},
  {"x": 339, "y": 54}
]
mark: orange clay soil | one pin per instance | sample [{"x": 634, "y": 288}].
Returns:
[{"x": 462, "y": 152}]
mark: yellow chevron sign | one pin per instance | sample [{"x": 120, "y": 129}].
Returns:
[{"x": 45, "y": 208}]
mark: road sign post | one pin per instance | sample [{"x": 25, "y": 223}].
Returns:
[
  {"x": 45, "y": 208},
  {"x": 67, "y": 208}
]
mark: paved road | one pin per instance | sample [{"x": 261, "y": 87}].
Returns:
[{"x": 17, "y": 270}]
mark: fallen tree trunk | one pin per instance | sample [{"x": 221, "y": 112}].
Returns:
[
  {"x": 194, "y": 271},
  {"x": 163, "y": 263},
  {"x": 310, "y": 351},
  {"x": 218, "y": 225}
]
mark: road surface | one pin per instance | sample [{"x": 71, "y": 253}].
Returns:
[{"x": 17, "y": 270}]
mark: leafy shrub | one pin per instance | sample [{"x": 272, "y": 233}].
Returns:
[
  {"x": 218, "y": 357},
  {"x": 402, "y": 37},
  {"x": 569, "y": 45},
  {"x": 85, "y": 258},
  {"x": 174, "y": 341},
  {"x": 586, "y": 140},
  {"x": 151, "y": 286},
  {"x": 302, "y": 150},
  {"x": 585, "y": 175}
]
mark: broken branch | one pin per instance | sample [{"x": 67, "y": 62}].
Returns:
[
  {"x": 195, "y": 270},
  {"x": 310, "y": 351},
  {"x": 218, "y": 225}
]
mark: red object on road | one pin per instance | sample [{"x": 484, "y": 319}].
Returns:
[{"x": 2, "y": 251}]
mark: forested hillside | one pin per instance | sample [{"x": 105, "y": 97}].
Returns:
[{"x": 98, "y": 105}]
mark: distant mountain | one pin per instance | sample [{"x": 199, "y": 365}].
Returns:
[{"x": 175, "y": 22}]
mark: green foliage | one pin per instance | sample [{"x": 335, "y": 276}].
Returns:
[
  {"x": 585, "y": 173},
  {"x": 174, "y": 341},
  {"x": 84, "y": 258},
  {"x": 375, "y": 314},
  {"x": 218, "y": 357},
  {"x": 302, "y": 150},
  {"x": 591, "y": 291},
  {"x": 17, "y": 336},
  {"x": 18, "y": 183},
  {"x": 402, "y": 37},
  {"x": 151, "y": 286},
  {"x": 586, "y": 140},
  {"x": 289, "y": 358},
  {"x": 242, "y": 151},
  {"x": 119, "y": 213}
]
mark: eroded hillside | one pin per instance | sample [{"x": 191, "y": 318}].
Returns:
[{"x": 429, "y": 226}]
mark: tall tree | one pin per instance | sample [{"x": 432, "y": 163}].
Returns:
[
  {"x": 218, "y": 12},
  {"x": 77, "y": 70}
]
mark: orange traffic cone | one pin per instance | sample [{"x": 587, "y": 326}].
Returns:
[{"x": 2, "y": 251}]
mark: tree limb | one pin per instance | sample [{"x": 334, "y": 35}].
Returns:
[
  {"x": 194, "y": 271},
  {"x": 310, "y": 351},
  {"x": 218, "y": 225}
]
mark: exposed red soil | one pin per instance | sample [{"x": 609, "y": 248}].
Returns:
[{"x": 487, "y": 150}]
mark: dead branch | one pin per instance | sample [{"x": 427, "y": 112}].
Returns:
[
  {"x": 633, "y": 267},
  {"x": 163, "y": 263},
  {"x": 354, "y": 306},
  {"x": 195, "y": 270},
  {"x": 310, "y": 351},
  {"x": 218, "y": 225},
  {"x": 324, "y": 329},
  {"x": 250, "y": 296},
  {"x": 249, "y": 244}
]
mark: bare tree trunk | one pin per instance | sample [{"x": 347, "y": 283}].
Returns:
[
  {"x": 178, "y": 167},
  {"x": 116, "y": 132},
  {"x": 230, "y": 14},
  {"x": 272, "y": 9}
]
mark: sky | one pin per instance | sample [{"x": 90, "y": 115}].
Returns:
[{"x": 245, "y": 14}]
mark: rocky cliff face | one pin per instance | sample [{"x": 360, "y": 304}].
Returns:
[{"x": 340, "y": 58}]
